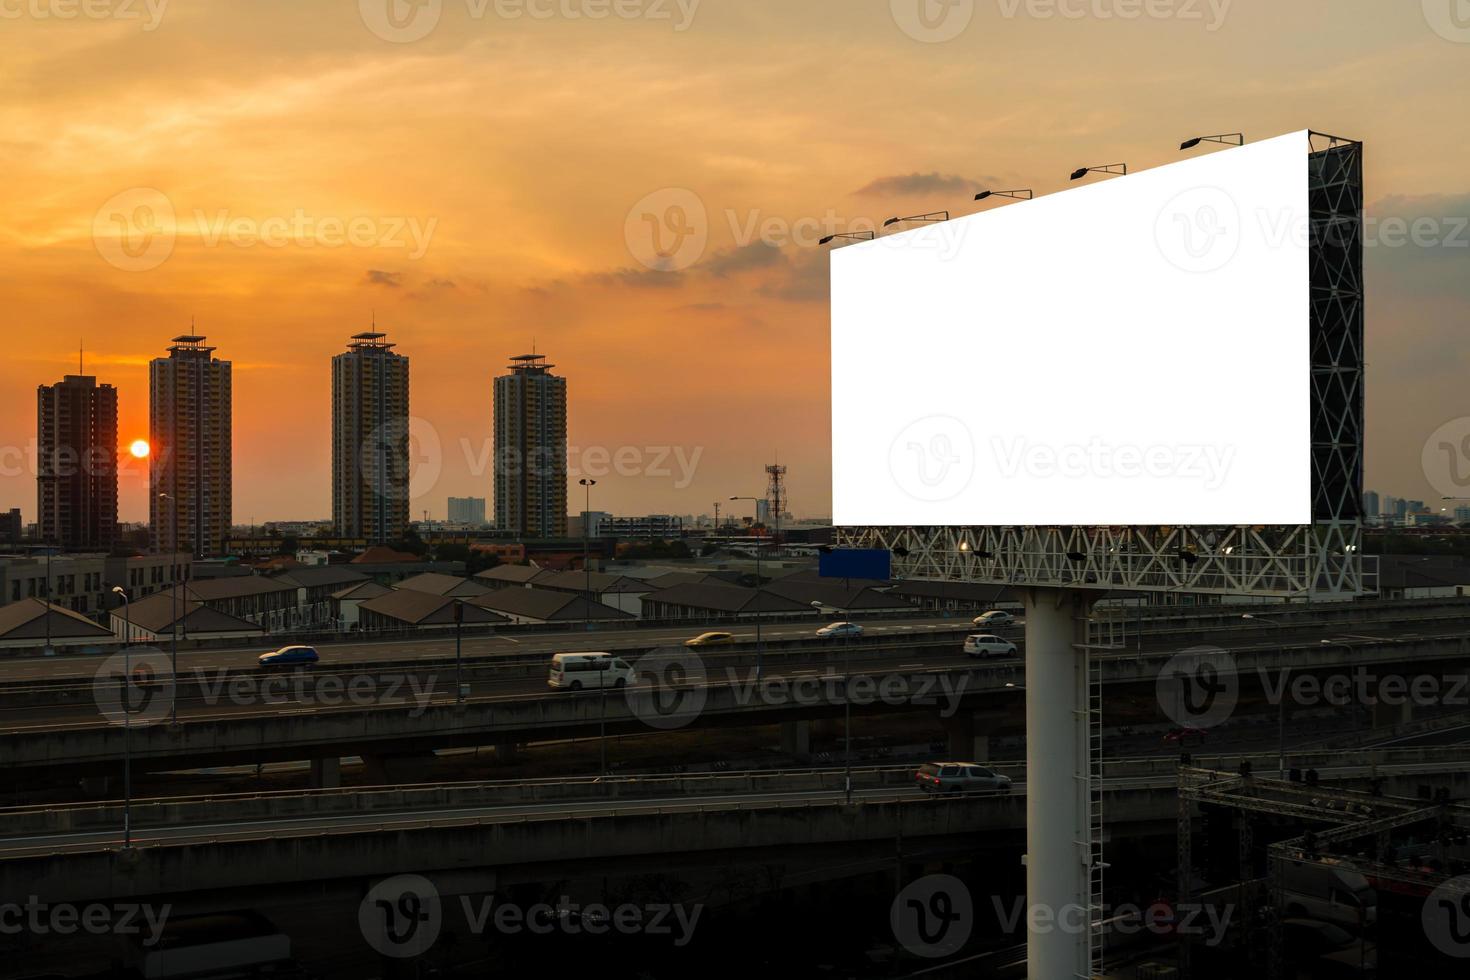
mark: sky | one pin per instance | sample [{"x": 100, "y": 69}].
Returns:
[{"x": 483, "y": 177}]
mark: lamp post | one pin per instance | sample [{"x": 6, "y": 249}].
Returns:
[
  {"x": 587, "y": 542},
  {"x": 1271, "y": 621},
  {"x": 759, "y": 643},
  {"x": 127, "y": 708},
  {"x": 458, "y": 661},
  {"x": 47, "y": 600},
  {"x": 173, "y": 638},
  {"x": 846, "y": 711}
]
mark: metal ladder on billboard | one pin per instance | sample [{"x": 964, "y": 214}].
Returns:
[{"x": 1104, "y": 633}]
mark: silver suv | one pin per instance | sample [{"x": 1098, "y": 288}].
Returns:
[{"x": 960, "y": 777}]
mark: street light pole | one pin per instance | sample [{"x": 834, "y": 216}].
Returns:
[
  {"x": 127, "y": 709},
  {"x": 458, "y": 662},
  {"x": 587, "y": 542},
  {"x": 1280, "y": 701},
  {"x": 47, "y": 601},
  {"x": 173, "y": 639},
  {"x": 760, "y": 645}
]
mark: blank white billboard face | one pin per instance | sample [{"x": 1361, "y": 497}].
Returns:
[{"x": 1130, "y": 351}]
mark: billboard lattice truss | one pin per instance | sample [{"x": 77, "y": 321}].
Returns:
[{"x": 1322, "y": 559}]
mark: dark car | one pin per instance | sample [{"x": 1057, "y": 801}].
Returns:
[
  {"x": 1183, "y": 736},
  {"x": 292, "y": 656}
]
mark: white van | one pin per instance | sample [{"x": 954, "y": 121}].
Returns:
[
  {"x": 575, "y": 671},
  {"x": 984, "y": 645}
]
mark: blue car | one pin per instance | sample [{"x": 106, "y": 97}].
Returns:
[{"x": 293, "y": 656}]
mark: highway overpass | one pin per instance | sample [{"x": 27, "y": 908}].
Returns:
[
  {"x": 798, "y": 688},
  {"x": 255, "y": 840}
]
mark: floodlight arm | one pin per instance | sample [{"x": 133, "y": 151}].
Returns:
[
  {"x": 1022, "y": 194},
  {"x": 1116, "y": 169},
  {"x": 1229, "y": 139},
  {"x": 857, "y": 236},
  {"x": 931, "y": 216}
]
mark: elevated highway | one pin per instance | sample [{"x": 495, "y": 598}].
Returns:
[
  {"x": 886, "y": 677},
  {"x": 72, "y": 853}
]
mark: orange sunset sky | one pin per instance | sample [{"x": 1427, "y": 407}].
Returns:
[{"x": 494, "y": 171}]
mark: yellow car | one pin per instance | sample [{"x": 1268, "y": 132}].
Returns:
[{"x": 711, "y": 640}]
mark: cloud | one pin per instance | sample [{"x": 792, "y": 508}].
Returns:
[
  {"x": 377, "y": 277},
  {"x": 905, "y": 185},
  {"x": 743, "y": 258}
]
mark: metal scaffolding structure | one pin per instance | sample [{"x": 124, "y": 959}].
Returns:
[{"x": 1355, "y": 815}]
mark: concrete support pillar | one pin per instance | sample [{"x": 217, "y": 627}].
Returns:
[
  {"x": 1057, "y": 832},
  {"x": 963, "y": 743},
  {"x": 796, "y": 739},
  {"x": 326, "y": 773}
]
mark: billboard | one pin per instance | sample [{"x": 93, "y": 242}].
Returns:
[{"x": 1133, "y": 351}]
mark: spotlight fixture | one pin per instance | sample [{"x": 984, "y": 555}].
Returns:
[
  {"x": 1116, "y": 169},
  {"x": 1017, "y": 194},
  {"x": 1230, "y": 139},
  {"x": 931, "y": 216}
]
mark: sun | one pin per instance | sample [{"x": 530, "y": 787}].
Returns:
[{"x": 139, "y": 449}]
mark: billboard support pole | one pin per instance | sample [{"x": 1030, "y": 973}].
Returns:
[{"x": 1058, "y": 784}]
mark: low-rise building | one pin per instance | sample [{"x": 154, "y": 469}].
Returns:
[
  {"x": 32, "y": 623},
  {"x": 154, "y": 618},
  {"x": 437, "y": 583},
  {"x": 400, "y": 609},
  {"x": 707, "y": 601},
  {"x": 347, "y": 602},
  {"x": 83, "y": 582},
  {"x": 534, "y": 606}
]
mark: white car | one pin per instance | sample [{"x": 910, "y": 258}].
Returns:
[
  {"x": 996, "y": 617},
  {"x": 840, "y": 629},
  {"x": 984, "y": 645}
]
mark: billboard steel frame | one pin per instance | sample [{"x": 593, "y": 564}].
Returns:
[{"x": 1323, "y": 559}]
